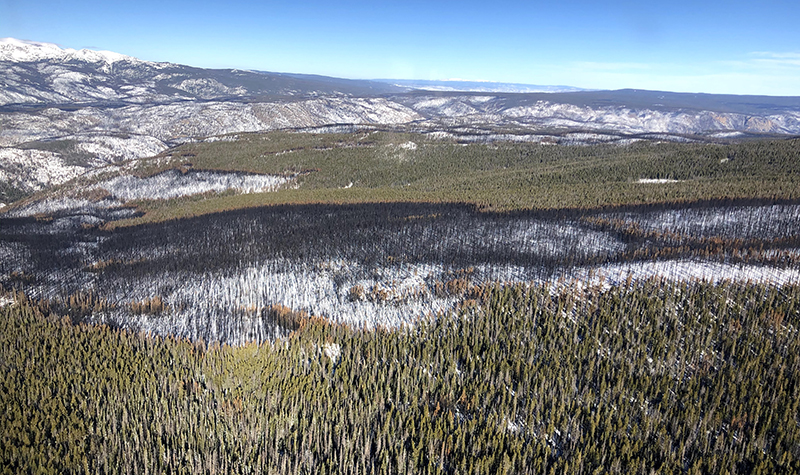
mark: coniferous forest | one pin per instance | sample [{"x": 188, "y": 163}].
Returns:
[
  {"x": 640, "y": 378},
  {"x": 500, "y": 308}
]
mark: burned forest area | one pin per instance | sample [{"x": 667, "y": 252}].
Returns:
[{"x": 398, "y": 304}]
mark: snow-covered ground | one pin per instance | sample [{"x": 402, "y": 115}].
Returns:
[
  {"x": 211, "y": 305},
  {"x": 684, "y": 271},
  {"x": 33, "y": 170},
  {"x": 114, "y": 192},
  {"x": 205, "y": 303},
  {"x": 742, "y": 222},
  {"x": 173, "y": 183}
]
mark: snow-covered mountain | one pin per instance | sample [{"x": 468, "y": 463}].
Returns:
[
  {"x": 64, "y": 111},
  {"x": 44, "y": 73},
  {"x": 21, "y": 51}
]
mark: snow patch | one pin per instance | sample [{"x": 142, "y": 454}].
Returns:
[
  {"x": 685, "y": 271},
  {"x": 744, "y": 222},
  {"x": 166, "y": 185},
  {"x": 657, "y": 180},
  {"x": 480, "y": 99},
  {"x": 207, "y": 88},
  {"x": 61, "y": 206},
  {"x": 224, "y": 138},
  {"x": 109, "y": 148},
  {"x": 726, "y": 135},
  {"x": 332, "y": 351},
  {"x": 514, "y": 427},
  {"x": 173, "y": 184},
  {"x": 408, "y": 146}
]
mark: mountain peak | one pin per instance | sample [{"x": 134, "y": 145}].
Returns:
[{"x": 24, "y": 51}]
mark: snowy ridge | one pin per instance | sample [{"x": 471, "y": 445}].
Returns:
[
  {"x": 32, "y": 169},
  {"x": 44, "y": 73},
  {"x": 464, "y": 110},
  {"x": 23, "y": 51}
]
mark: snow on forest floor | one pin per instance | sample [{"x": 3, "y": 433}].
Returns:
[
  {"x": 743, "y": 222},
  {"x": 173, "y": 184},
  {"x": 685, "y": 271},
  {"x": 230, "y": 306},
  {"x": 214, "y": 306},
  {"x": 116, "y": 191},
  {"x": 365, "y": 266}
]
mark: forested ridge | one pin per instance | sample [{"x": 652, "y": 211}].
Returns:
[{"x": 641, "y": 377}]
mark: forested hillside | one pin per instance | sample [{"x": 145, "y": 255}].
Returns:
[
  {"x": 376, "y": 166},
  {"x": 645, "y": 377},
  {"x": 382, "y": 302}
]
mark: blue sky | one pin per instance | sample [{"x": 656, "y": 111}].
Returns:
[{"x": 737, "y": 47}]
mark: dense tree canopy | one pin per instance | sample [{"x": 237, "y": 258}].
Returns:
[{"x": 674, "y": 378}]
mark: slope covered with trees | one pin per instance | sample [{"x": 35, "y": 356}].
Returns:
[
  {"x": 375, "y": 166},
  {"x": 688, "y": 378},
  {"x": 530, "y": 338}
]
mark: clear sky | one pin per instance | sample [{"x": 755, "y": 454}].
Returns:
[{"x": 735, "y": 46}]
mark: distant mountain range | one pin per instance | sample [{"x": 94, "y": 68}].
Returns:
[
  {"x": 457, "y": 85},
  {"x": 43, "y": 73},
  {"x": 64, "y": 111}
]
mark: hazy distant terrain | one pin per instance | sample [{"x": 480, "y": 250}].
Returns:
[{"x": 473, "y": 86}]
